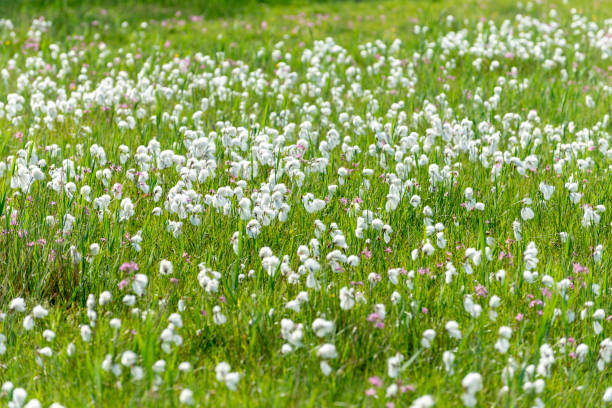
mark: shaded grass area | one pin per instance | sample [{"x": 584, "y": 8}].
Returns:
[
  {"x": 66, "y": 12},
  {"x": 70, "y": 16}
]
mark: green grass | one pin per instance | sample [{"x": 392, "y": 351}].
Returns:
[{"x": 37, "y": 259}]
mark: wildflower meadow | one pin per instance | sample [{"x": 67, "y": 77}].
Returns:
[{"x": 396, "y": 203}]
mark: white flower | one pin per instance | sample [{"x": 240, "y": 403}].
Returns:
[
  {"x": 546, "y": 190},
  {"x": 428, "y": 337},
  {"x": 527, "y": 214},
  {"x": 426, "y": 401},
  {"x": 327, "y": 351},
  {"x": 391, "y": 390},
  {"x": 231, "y": 380},
  {"x": 105, "y": 297},
  {"x": 325, "y": 368},
  {"x": 472, "y": 384},
  {"x": 70, "y": 349},
  {"x": 607, "y": 397},
  {"x": 107, "y": 362},
  {"x": 186, "y": 397},
  {"x": 452, "y": 328},
  {"x": 129, "y": 358},
  {"x": 347, "y": 298},
  {"x": 159, "y": 366},
  {"x": 502, "y": 345},
  {"x": 7, "y": 387},
  {"x": 448, "y": 358},
  {"x": 223, "y": 374},
  {"x": 428, "y": 249},
  {"x": 86, "y": 333},
  {"x": 137, "y": 373},
  {"x": 33, "y": 403},
  {"x": 581, "y": 352},
  {"x": 322, "y": 327},
  {"x": 126, "y": 210},
  {"x": 48, "y": 335},
  {"x": 165, "y": 267},
  {"x": 129, "y": 300},
  {"x": 292, "y": 332},
  {"x": 394, "y": 365},
  {"x": 19, "y": 397},
  {"x": 39, "y": 312},
  {"x": 139, "y": 283},
  {"x": 218, "y": 317},
  {"x": 28, "y": 323},
  {"x": 18, "y": 305},
  {"x": 589, "y": 102},
  {"x": 115, "y": 323}
]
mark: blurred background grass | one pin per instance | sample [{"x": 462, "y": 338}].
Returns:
[
  {"x": 70, "y": 13},
  {"x": 209, "y": 9}
]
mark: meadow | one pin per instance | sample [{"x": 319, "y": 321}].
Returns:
[{"x": 305, "y": 204}]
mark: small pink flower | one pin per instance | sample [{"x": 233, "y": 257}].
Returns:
[
  {"x": 373, "y": 317},
  {"x": 129, "y": 266},
  {"x": 481, "y": 291},
  {"x": 405, "y": 388},
  {"x": 375, "y": 381},
  {"x": 123, "y": 284}
]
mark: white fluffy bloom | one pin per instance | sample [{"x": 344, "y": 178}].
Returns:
[
  {"x": 472, "y": 383},
  {"x": 186, "y": 397},
  {"x": 452, "y": 328},
  {"x": 139, "y": 283},
  {"x": 223, "y": 374},
  {"x": 165, "y": 267},
  {"x": 426, "y": 401},
  {"x": 18, "y": 305},
  {"x": 394, "y": 365},
  {"x": 322, "y": 327},
  {"x": 347, "y": 298},
  {"x": 607, "y": 397},
  {"x": 327, "y": 351},
  {"x": 39, "y": 312}
]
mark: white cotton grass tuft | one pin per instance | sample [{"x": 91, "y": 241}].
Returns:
[
  {"x": 223, "y": 374},
  {"x": 165, "y": 267}
]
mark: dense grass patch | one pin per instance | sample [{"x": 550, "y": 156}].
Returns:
[{"x": 285, "y": 203}]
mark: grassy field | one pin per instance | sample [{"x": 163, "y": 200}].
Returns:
[{"x": 285, "y": 203}]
